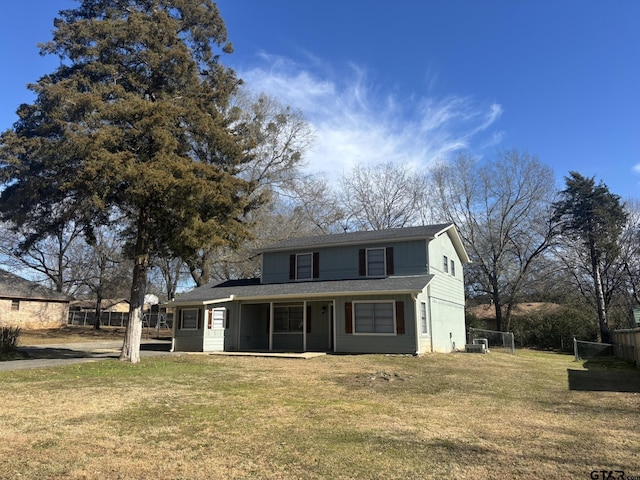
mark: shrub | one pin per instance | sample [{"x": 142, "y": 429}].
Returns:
[
  {"x": 553, "y": 330},
  {"x": 9, "y": 339}
]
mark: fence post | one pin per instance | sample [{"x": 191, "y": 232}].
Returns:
[
  {"x": 575, "y": 349},
  {"x": 513, "y": 344}
]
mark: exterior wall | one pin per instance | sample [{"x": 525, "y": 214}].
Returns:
[
  {"x": 446, "y": 293},
  {"x": 187, "y": 340},
  {"x": 354, "y": 343},
  {"x": 34, "y": 314},
  {"x": 342, "y": 262}
]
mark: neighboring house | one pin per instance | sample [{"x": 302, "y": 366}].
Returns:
[
  {"x": 387, "y": 291},
  {"x": 119, "y": 305},
  {"x": 29, "y": 305}
]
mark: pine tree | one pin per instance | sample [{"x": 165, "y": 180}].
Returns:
[
  {"x": 134, "y": 124},
  {"x": 593, "y": 216}
]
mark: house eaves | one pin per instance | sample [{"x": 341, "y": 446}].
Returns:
[
  {"x": 319, "y": 289},
  {"x": 426, "y": 232}
]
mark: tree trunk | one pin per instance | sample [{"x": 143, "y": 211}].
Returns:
[
  {"x": 600, "y": 303},
  {"x": 498, "y": 309},
  {"x": 133, "y": 334},
  {"x": 96, "y": 323}
]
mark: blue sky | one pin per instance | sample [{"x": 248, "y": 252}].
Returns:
[{"x": 418, "y": 81}]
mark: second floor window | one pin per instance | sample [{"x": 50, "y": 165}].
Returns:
[
  {"x": 304, "y": 266},
  {"x": 445, "y": 264},
  {"x": 376, "y": 262}
]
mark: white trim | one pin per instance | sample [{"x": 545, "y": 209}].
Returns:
[
  {"x": 270, "y": 326},
  {"x": 335, "y": 332},
  {"x": 304, "y": 318},
  {"x": 381, "y": 334}
]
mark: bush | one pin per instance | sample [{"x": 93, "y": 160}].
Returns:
[
  {"x": 553, "y": 330},
  {"x": 9, "y": 339}
]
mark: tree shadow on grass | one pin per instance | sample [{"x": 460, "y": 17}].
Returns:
[{"x": 605, "y": 376}]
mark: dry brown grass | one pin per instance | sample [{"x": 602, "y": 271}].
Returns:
[{"x": 366, "y": 416}]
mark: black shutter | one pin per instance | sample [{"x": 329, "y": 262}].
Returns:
[
  {"x": 316, "y": 264},
  {"x": 400, "y": 318},
  {"x": 389, "y": 255},
  {"x": 292, "y": 267},
  {"x": 348, "y": 317},
  {"x": 362, "y": 262}
]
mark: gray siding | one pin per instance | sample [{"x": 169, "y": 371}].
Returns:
[
  {"x": 341, "y": 262},
  {"x": 350, "y": 343},
  {"x": 446, "y": 293}
]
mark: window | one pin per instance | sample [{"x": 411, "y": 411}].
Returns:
[
  {"x": 445, "y": 264},
  {"x": 453, "y": 268},
  {"x": 374, "y": 317},
  {"x": 375, "y": 262},
  {"x": 15, "y": 305},
  {"x": 423, "y": 318},
  {"x": 304, "y": 266},
  {"x": 287, "y": 319},
  {"x": 189, "y": 319},
  {"x": 217, "y": 318}
]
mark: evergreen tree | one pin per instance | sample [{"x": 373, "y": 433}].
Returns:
[
  {"x": 595, "y": 218},
  {"x": 135, "y": 123}
]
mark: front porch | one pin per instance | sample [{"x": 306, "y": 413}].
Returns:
[{"x": 286, "y": 326}]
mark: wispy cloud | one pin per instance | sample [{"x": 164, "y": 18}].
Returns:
[{"x": 355, "y": 122}]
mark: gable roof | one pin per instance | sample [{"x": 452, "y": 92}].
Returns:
[
  {"x": 13, "y": 286},
  {"x": 252, "y": 289},
  {"x": 426, "y": 232}
]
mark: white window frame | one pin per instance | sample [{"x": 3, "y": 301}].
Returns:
[
  {"x": 378, "y": 334},
  {"x": 289, "y": 331},
  {"x": 445, "y": 263},
  {"x": 182, "y": 327},
  {"x": 424, "y": 319},
  {"x": 218, "y": 322},
  {"x": 310, "y": 255},
  {"x": 453, "y": 268},
  {"x": 384, "y": 261}
]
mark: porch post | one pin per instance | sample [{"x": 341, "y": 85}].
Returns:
[
  {"x": 270, "y": 326},
  {"x": 335, "y": 330},
  {"x": 304, "y": 325}
]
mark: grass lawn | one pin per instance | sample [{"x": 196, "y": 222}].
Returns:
[{"x": 456, "y": 416}]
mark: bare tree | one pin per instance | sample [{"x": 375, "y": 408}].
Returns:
[
  {"x": 502, "y": 208},
  {"x": 107, "y": 271},
  {"x": 382, "y": 196},
  {"x": 57, "y": 259},
  {"x": 280, "y": 136}
]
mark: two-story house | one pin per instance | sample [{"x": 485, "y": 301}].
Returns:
[{"x": 387, "y": 291}]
